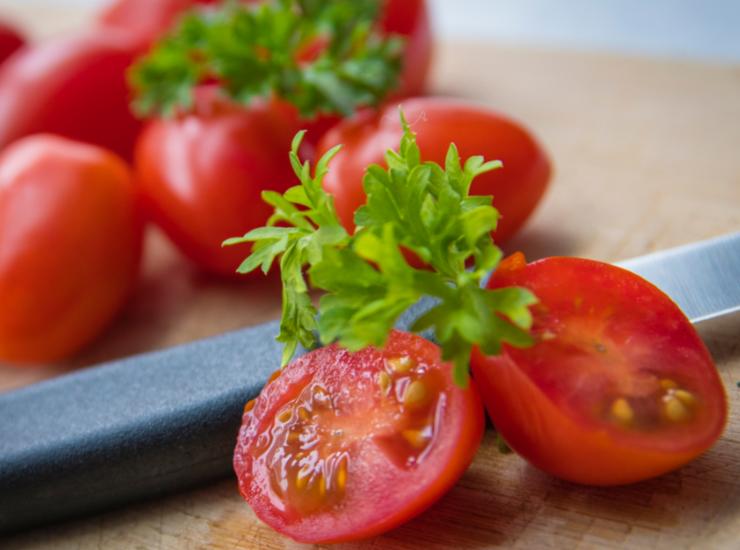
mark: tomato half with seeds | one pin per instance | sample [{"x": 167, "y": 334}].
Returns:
[
  {"x": 618, "y": 388},
  {"x": 343, "y": 446}
]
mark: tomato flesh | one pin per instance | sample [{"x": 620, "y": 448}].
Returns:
[
  {"x": 618, "y": 388},
  {"x": 343, "y": 446}
]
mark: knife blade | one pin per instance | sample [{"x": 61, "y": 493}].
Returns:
[{"x": 163, "y": 421}]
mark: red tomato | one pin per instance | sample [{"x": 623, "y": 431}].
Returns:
[
  {"x": 10, "y": 41},
  {"x": 74, "y": 87},
  {"x": 70, "y": 243},
  {"x": 145, "y": 19},
  {"x": 410, "y": 19},
  {"x": 344, "y": 446},
  {"x": 516, "y": 188},
  {"x": 619, "y": 387},
  {"x": 202, "y": 174}
]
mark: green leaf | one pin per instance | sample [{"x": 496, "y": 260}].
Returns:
[
  {"x": 370, "y": 278},
  {"x": 262, "y": 50}
]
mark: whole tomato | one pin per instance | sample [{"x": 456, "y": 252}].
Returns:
[
  {"x": 70, "y": 242},
  {"x": 202, "y": 173},
  {"x": 74, "y": 87},
  {"x": 437, "y": 122},
  {"x": 146, "y": 20},
  {"x": 10, "y": 41}
]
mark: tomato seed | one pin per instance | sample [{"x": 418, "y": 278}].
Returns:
[
  {"x": 622, "y": 411},
  {"x": 674, "y": 409},
  {"x": 401, "y": 365},
  {"x": 415, "y": 394}
]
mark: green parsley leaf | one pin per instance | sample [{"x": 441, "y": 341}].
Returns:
[
  {"x": 322, "y": 56},
  {"x": 413, "y": 207}
]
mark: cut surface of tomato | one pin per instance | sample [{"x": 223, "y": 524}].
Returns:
[
  {"x": 342, "y": 446},
  {"x": 618, "y": 388}
]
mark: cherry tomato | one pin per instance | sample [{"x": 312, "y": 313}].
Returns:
[
  {"x": 437, "y": 122},
  {"x": 202, "y": 174},
  {"x": 147, "y": 20},
  {"x": 618, "y": 388},
  {"x": 10, "y": 41},
  {"x": 344, "y": 446},
  {"x": 410, "y": 19},
  {"x": 70, "y": 241},
  {"x": 74, "y": 87}
]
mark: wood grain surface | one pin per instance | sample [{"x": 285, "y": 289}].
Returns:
[{"x": 647, "y": 156}]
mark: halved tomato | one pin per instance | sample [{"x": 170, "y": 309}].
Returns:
[
  {"x": 619, "y": 386},
  {"x": 342, "y": 446}
]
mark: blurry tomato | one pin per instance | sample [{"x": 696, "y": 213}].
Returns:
[
  {"x": 202, "y": 174},
  {"x": 146, "y": 20},
  {"x": 437, "y": 122},
  {"x": 10, "y": 41},
  {"x": 70, "y": 243},
  {"x": 410, "y": 19},
  {"x": 74, "y": 87},
  {"x": 149, "y": 19}
]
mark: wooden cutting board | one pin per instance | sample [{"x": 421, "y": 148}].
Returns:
[{"x": 647, "y": 156}]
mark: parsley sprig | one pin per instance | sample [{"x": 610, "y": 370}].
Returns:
[
  {"x": 256, "y": 51},
  {"x": 413, "y": 208}
]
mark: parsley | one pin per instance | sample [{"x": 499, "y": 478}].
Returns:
[
  {"x": 256, "y": 51},
  {"x": 368, "y": 281}
]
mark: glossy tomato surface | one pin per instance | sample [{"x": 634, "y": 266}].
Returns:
[
  {"x": 343, "y": 446},
  {"x": 618, "y": 388},
  {"x": 437, "y": 122},
  {"x": 74, "y": 87},
  {"x": 70, "y": 241},
  {"x": 10, "y": 41},
  {"x": 202, "y": 174}
]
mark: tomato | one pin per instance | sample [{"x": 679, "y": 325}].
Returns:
[
  {"x": 70, "y": 242},
  {"x": 437, "y": 122},
  {"x": 149, "y": 19},
  {"x": 343, "y": 446},
  {"x": 410, "y": 19},
  {"x": 74, "y": 87},
  {"x": 202, "y": 174},
  {"x": 145, "y": 19},
  {"x": 618, "y": 388},
  {"x": 10, "y": 41}
]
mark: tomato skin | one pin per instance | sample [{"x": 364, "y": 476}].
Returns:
[
  {"x": 146, "y": 20},
  {"x": 437, "y": 122},
  {"x": 201, "y": 175},
  {"x": 10, "y": 41},
  {"x": 70, "y": 243},
  {"x": 410, "y": 19},
  {"x": 380, "y": 493},
  {"x": 639, "y": 334},
  {"x": 74, "y": 87}
]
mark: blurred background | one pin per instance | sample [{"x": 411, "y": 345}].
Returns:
[{"x": 707, "y": 30}]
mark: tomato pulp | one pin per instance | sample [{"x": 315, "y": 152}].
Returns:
[
  {"x": 70, "y": 242},
  {"x": 618, "y": 388},
  {"x": 437, "y": 122},
  {"x": 342, "y": 446}
]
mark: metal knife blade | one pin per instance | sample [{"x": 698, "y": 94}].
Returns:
[{"x": 167, "y": 420}]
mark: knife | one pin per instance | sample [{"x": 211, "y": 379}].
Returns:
[{"x": 167, "y": 420}]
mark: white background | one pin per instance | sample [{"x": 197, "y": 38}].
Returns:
[{"x": 708, "y": 29}]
